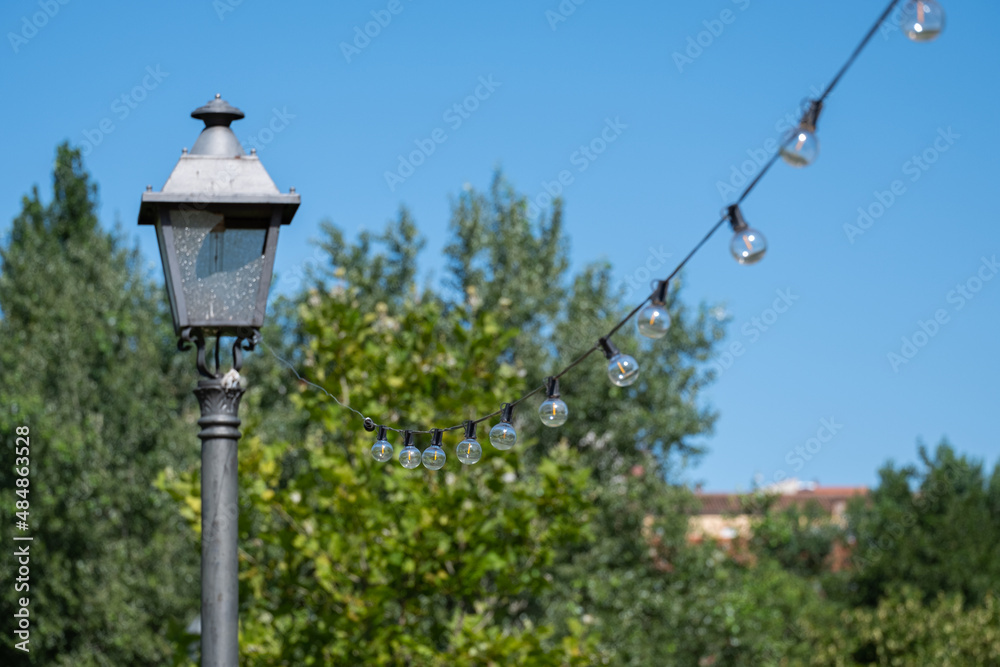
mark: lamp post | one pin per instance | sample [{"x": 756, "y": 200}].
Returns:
[{"x": 217, "y": 220}]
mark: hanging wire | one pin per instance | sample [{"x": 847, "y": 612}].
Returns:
[
  {"x": 370, "y": 424},
  {"x": 857, "y": 51}
]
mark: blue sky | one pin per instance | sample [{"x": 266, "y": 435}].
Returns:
[{"x": 121, "y": 78}]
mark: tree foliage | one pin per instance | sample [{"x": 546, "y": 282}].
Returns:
[
  {"x": 905, "y": 629},
  {"x": 801, "y": 539},
  {"x": 541, "y": 517},
  {"x": 85, "y": 366},
  {"x": 935, "y": 529},
  {"x": 354, "y": 562},
  {"x": 570, "y": 549}
]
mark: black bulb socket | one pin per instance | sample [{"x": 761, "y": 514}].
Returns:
[
  {"x": 610, "y": 350},
  {"x": 811, "y": 116},
  {"x": 736, "y": 220},
  {"x": 660, "y": 296},
  {"x": 552, "y": 387}
]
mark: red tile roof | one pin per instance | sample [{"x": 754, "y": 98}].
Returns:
[{"x": 828, "y": 498}]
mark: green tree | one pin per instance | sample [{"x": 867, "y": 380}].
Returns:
[
  {"x": 800, "y": 539},
  {"x": 632, "y": 439},
  {"x": 347, "y": 561},
  {"x": 373, "y": 564},
  {"x": 936, "y": 529},
  {"x": 906, "y": 629},
  {"x": 85, "y": 367}
]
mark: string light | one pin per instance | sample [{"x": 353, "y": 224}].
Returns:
[
  {"x": 434, "y": 457},
  {"x": 622, "y": 369},
  {"x": 381, "y": 450},
  {"x": 469, "y": 451},
  {"x": 922, "y": 20},
  {"x": 409, "y": 456},
  {"x": 802, "y": 148},
  {"x": 654, "y": 319},
  {"x": 748, "y": 245},
  {"x": 553, "y": 411},
  {"x": 503, "y": 436}
]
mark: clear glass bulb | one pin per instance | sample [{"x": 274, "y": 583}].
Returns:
[
  {"x": 409, "y": 457},
  {"x": 802, "y": 149},
  {"x": 654, "y": 320},
  {"x": 382, "y": 451},
  {"x": 434, "y": 457},
  {"x": 469, "y": 451},
  {"x": 922, "y": 20},
  {"x": 748, "y": 246},
  {"x": 553, "y": 412},
  {"x": 503, "y": 435},
  {"x": 623, "y": 370}
]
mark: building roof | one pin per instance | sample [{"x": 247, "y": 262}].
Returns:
[{"x": 833, "y": 499}]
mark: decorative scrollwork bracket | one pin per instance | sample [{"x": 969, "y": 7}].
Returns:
[{"x": 247, "y": 339}]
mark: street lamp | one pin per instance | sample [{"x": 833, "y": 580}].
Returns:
[{"x": 217, "y": 220}]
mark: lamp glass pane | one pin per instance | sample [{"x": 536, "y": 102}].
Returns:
[
  {"x": 220, "y": 267},
  {"x": 161, "y": 240}
]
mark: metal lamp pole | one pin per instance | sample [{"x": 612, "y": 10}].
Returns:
[
  {"x": 217, "y": 220},
  {"x": 219, "y": 435},
  {"x": 219, "y": 399}
]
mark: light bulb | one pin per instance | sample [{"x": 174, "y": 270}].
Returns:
[
  {"x": 409, "y": 456},
  {"x": 802, "y": 149},
  {"x": 434, "y": 456},
  {"x": 381, "y": 450},
  {"x": 503, "y": 436},
  {"x": 922, "y": 20},
  {"x": 654, "y": 319},
  {"x": 469, "y": 451},
  {"x": 748, "y": 245},
  {"x": 553, "y": 411},
  {"x": 622, "y": 369}
]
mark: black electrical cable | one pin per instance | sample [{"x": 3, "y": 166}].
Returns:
[{"x": 746, "y": 192}]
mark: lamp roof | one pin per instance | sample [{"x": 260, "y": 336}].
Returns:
[{"x": 217, "y": 171}]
